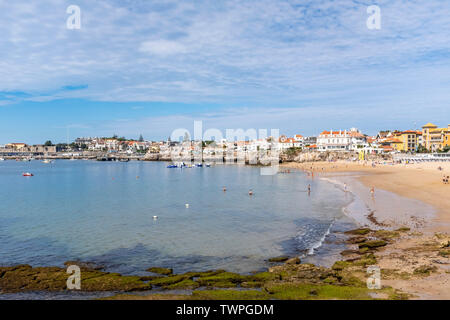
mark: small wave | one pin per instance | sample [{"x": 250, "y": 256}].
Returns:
[
  {"x": 312, "y": 236},
  {"x": 319, "y": 243}
]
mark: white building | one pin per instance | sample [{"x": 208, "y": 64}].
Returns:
[{"x": 341, "y": 140}]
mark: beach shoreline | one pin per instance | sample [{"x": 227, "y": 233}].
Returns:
[{"x": 428, "y": 218}]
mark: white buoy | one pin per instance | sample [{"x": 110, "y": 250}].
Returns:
[
  {"x": 155, "y": 217},
  {"x": 187, "y": 205}
]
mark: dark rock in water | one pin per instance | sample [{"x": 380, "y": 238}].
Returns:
[
  {"x": 349, "y": 252},
  {"x": 279, "y": 259},
  {"x": 158, "y": 270},
  {"x": 26, "y": 278},
  {"x": 373, "y": 244},
  {"x": 84, "y": 266},
  {"x": 295, "y": 260},
  {"x": 360, "y": 231},
  {"x": 150, "y": 278},
  {"x": 354, "y": 240}
]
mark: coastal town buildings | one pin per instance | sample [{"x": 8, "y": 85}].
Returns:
[
  {"x": 435, "y": 138},
  {"x": 431, "y": 138},
  {"x": 406, "y": 141},
  {"x": 310, "y": 141},
  {"x": 342, "y": 140}
]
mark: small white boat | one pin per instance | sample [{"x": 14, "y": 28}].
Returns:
[
  {"x": 47, "y": 161},
  {"x": 1, "y": 159}
]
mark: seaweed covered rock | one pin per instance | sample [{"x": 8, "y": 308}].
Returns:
[
  {"x": 359, "y": 231},
  {"x": 158, "y": 270},
  {"x": 425, "y": 270},
  {"x": 372, "y": 244},
  {"x": 26, "y": 278},
  {"x": 221, "y": 280},
  {"x": 356, "y": 240},
  {"x": 279, "y": 259},
  {"x": 295, "y": 260}
]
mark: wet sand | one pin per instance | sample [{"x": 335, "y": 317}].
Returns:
[{"x": 413, "y": 196}]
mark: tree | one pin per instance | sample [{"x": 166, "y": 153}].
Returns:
[
  {"x": 421, "y": 149},
  {"x": 73, "y": 146},
  {"x": 141, "y": 138},
  {"x": 48, "y": 143}
]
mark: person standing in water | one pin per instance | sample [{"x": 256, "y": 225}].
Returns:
[
  {"x": 309, "y": 189},
  {"x": 372, "y": 192}
]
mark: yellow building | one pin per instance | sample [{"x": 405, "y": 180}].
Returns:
[
  {"x": 407, "y": 141},
  {"x": 435, "y": 138},
  {"x": 395, "y": 143}
]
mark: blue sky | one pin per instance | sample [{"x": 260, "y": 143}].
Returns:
[{"x": 150, "y": 67}]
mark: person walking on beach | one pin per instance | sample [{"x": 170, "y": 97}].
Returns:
[
  {"x": 345, "y": 187},
  {"x": 372, "y": 192}
]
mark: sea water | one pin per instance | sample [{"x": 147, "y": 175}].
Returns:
[{"x": 103, "y": 212}]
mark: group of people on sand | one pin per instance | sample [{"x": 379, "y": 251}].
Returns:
[{"x": 445, "y": 179}]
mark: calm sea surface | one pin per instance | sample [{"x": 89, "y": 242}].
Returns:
[{"x": 103, "y": 212}]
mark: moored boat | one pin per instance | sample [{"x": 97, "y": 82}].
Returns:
[{"x": 27, "y": 174}]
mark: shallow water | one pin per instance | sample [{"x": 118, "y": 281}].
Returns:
[
  {"x": 103, "y": 212},
  {"x": 388, "y": 210}
]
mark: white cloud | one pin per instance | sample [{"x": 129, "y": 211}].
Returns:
[{"x": 162, "y": 47}]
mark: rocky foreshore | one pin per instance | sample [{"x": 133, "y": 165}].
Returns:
[{"x": 287, "y": 279}]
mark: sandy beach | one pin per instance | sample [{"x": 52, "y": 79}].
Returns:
[{"x": 412, "y": 196}]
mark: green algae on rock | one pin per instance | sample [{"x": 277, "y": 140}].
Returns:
[
  {"x": 278, "y": 259},
  {"x": 26, "y": 278},
  {"x": 359, "y": 231},
  {"x": 158, "y": 270},
  {"x": 372, "y": 244}
]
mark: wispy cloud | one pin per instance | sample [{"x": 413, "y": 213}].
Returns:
[{"x": 265, "y": 53}]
